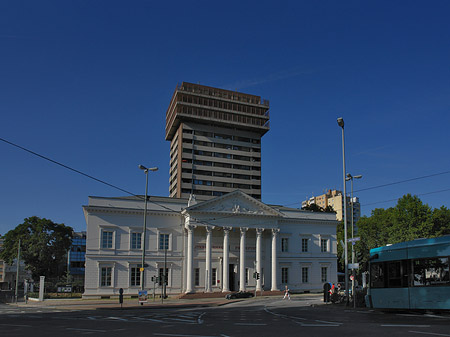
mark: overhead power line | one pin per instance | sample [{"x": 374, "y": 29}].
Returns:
[
  {"x": 402, "y": 181},
  {"x": 205, "y": 222},
  {"x": 382, "y": 202}
]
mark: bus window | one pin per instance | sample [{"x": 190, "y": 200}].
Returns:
[
  {"x": 376, "y": 275},
  {"x": 431, "y": 272},
  {"x": 394, "y": 274}
]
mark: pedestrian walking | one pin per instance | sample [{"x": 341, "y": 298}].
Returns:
[{"x": 286, "y": 293}]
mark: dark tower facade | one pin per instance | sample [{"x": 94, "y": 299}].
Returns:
[{"x": 215, "y": 137}]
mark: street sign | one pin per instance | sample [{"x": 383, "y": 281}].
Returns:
[
  {"x": 354, "y": 239},
  {"x": 353, "y": 265},
  {"x": 141, "y": 269},
  {"x": 142, "y": 296}
]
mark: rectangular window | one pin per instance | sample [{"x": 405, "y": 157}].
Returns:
[
  {"x": 324, "y": 274},
  {"x": 106, "y": 277},
  {"x": 284, "y": 244},
  {"x": 135, "y": 276},
  {"x": 136, "y": 240},
  {"x": 305, "y": 276},
  {"x": 197, "y": 277},
  {"x": 377, "y": 275},
  {"x": 107, "y": 239},
  {"x": 162, "y": 276},
  {"x": 284, "y": 275},
  {"x": 163, "y": 241},
  {"x": 214, "y": 276},
  {"x": 304, "y": 245},
  {"x": 431, "y": 272},
  {"x": 324, "y": 245}
]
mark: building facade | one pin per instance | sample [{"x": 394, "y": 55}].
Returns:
[
  {"x": 76, "y": 257},
  {"x": 215, "y": 137},
  {"x": 209, "y": 246},
  {"x": 334, "y": 198}
]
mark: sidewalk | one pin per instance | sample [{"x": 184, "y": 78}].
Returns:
[
  {"x": 104, "y": 304},
  {"x": 88, "y": 304}
]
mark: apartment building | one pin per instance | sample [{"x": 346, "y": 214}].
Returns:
[
  {"x": 215, "y": 137},
  {"x": 334, "y": 198}
]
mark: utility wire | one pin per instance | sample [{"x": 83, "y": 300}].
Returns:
[
  {"x": 205, "y": 222},
  {"x": 402, "y": 181},
  {"x": 381, "y": 202}
]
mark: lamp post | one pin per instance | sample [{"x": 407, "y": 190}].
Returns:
[
  {"x": 350, "y": 177},
  {"x": 340, "y": 122},
  {"x": 144, "y": 231}
]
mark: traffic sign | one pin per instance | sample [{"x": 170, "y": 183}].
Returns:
[
  {"x": 141, "y": 269},
  {"x": 354, "y": 239},
  {"x": 353, "y": 265}
]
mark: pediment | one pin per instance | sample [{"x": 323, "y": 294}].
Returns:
[{"x": 236, "y": 202}]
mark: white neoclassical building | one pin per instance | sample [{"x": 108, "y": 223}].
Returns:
[{"x": 210, "y": 246}]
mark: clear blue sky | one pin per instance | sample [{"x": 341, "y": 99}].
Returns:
[{"x": 87, "y": 83}]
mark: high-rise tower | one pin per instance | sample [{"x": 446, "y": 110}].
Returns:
[{"x": 215, "y": 137}]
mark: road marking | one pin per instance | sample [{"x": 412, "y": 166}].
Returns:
[
  {"x": 89, "y": 330},
  {"x": 21, "y": 325},
  {"x": 328, "y": 322},
  {"x": 404, "y": 326},
  {"x": 118, "y": 318},
  {"x": 429, "y": 333},
  {"x": 149, "y": 319},
  {"x": 177, "y": 335},
  {"x": 199, "y": 319},
  {"x": 250, "y": 324},
  {"x": 318, "y": 325}
]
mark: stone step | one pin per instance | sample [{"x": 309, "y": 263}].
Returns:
[{"x": 223, "y": 294}]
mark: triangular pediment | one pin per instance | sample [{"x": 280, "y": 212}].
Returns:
[{"x": 236, "y": 202}]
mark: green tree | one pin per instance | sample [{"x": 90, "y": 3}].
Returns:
[
  {"x": 410, "y": 219},
  {"x": 441, "y": 221},
  {"x": 44, "y": 245}
]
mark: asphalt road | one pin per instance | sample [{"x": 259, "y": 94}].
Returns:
[{"x": 262, "y": 317}]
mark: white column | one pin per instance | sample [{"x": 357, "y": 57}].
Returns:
[
  {"x": 258, "y": 257},
  {"x": 225, "y": 283},
  {"x": 242, "y": 260},
  {"x": 208, "y": 259},
  {"x": 190, "y": 259},
  {"x": 275, "y": 232}
]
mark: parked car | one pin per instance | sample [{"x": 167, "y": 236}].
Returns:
[{"x": 240, "y": 294}]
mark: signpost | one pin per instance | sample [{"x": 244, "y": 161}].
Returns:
[
  {"x": 354, "y": 240},
  {"x": 143, "y": 296}
]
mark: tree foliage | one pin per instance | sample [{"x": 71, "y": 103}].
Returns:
[
  {"x": 410, "y": 219},
  {"x": 44, "y": 245},
  {"x": 317, "y": 208}
]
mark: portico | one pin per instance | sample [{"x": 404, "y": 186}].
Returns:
[{"x": 233, "y": 213}]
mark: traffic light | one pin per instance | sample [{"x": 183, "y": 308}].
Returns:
[{"x": 257, "y": 276}]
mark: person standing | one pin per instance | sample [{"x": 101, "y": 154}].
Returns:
[
  {"x": 326, "y": 292},
  {"x": 286, "y": 293}
]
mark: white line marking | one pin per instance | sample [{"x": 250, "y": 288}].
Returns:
[
  {"x": 22, "y": 325},
  {"x": 429, "y": 333},
  {"x": 118, "y": 318},
  {"x": 405, "y": 326},
  {"x": 89, "y": 330},
  {"x": 177, "y": 335},
  {"x": 250, "y": 324},
  {"x": 319, "y": 325},
  {"x": 338, "y": 323}
]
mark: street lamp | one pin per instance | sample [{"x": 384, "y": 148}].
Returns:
[
  {"x": 340, "y": 122},
  {"x": 144, "y": 231},
  {"x": 350, "y": 177}
]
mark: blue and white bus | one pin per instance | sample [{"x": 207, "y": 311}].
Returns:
[{"x": 410, "y": 275}]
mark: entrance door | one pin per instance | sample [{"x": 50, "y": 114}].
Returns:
[{"x": 231, "y": 277}]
